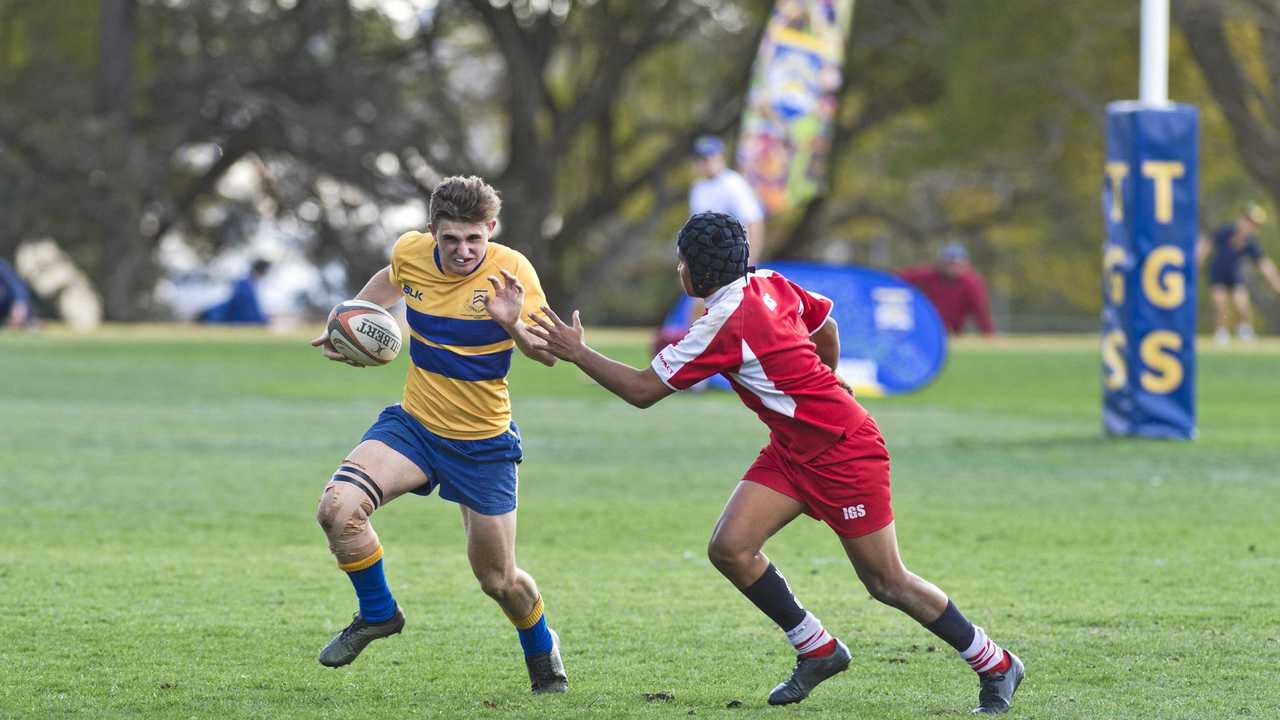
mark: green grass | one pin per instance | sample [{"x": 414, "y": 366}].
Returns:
[{"x": 159, "y": 555}]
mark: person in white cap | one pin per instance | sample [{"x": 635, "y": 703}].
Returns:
[
  {"x": 1230, "y": 245},
  {"x": 721, "y": 189}
]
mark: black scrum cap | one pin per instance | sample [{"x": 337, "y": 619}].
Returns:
[{"x": 714, "y": 246}]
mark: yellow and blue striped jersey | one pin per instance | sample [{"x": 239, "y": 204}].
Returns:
[{"x": 457, "y": 384}]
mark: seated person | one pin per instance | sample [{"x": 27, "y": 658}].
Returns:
[
  {"x": 15, "y": 301},
  {"x": 242, "y": 307}
]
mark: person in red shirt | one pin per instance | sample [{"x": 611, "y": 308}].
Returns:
[
  {"x": 778, "y": 346},
  {"x": 954, "y": 288}
]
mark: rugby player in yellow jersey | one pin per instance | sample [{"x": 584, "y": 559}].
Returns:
[{"x": 453, "y": 429}]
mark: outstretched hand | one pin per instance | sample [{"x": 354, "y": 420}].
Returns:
[
  {"x": 566, "y": 342},
  {"x": 507, "y": 299}
]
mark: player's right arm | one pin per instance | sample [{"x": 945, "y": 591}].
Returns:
[
  {"x": 641, "y": 388},
  {"x": 1203, "y": 246},
  {"x": 380, "y": 290}
]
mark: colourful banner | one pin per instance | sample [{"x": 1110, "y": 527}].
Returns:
[
  {"x": 786, "y": 127},
  {"x": 1149, "y": 271}
]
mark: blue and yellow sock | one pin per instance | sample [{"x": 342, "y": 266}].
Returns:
[
  {"x": 376, "y": 603},
  {"x": 535, "y": 636}
]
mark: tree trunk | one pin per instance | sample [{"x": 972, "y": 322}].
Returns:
[
  {"x": 1253, "y": 125},
  {"x": 527, "y": 193},
  {"x": 121, "y": 262},
  {"x": 802, "y": 238}
]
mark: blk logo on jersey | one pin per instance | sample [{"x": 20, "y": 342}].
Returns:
[
  {"x": 854, "y": 512},
  {"x": 415, "y": 294},
  {"x": 477, "y": 301}
]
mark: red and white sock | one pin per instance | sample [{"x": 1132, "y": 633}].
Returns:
[
  {"x": 984, "y": 655},
  {"x": 810, "y": 639}
]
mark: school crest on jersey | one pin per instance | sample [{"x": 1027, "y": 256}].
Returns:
[{"x": 476, "y": 306}]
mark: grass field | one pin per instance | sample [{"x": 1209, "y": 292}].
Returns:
[{"x": 159, "y": 555}]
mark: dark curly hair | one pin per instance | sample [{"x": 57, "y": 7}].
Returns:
[{"x": 714, "y": 247}]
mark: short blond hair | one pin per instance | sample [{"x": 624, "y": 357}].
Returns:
[{"x": 464, "y": 199}]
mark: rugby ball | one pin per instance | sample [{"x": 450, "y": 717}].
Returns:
[{"x": 364, "y": 332}]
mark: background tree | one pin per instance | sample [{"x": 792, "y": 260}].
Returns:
[
  {"x": 1235, "y": 46},
  {"x": 133, "y": 127}
]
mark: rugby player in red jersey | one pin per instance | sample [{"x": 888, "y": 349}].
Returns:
[{"x": 778, "y": 346}]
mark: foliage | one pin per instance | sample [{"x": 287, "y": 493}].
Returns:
[
  {"x": 327, "y": 123},
  {"x": 997, "y": 141}
]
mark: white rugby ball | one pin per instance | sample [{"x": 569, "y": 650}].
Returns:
[{"x": 364, "y": 332}]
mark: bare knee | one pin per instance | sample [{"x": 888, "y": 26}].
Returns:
[
  {"x": 891, "y": 587},
  {"x": 500, "y": 585},
  {"x": 729, "y": 557}
]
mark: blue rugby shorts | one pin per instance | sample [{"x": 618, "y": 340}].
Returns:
[{"x": 480, "y": 474}]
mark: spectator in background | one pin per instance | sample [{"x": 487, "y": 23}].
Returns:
[
  {"x": 15, "y": 301},
  {"x": 1230, "y": 245},
  {"x": 719, "y": 189},
  {"x": 956, "y": 289},
  {"x": 243, "y": 306}
]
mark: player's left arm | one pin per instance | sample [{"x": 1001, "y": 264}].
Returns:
[
  {"x": 1268, "y": 269},
  {"x": 641, "y": 388},
  {"x": 827, "y": 338},
  {"x": 815, "y": 313},
  {"x": 981, "y": 305},
  {"x": 504, "y": 307}
]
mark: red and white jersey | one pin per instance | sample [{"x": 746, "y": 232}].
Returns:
[{"x": 756, "y": 331}]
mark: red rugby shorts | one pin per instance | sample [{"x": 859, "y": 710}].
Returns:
[{"x": 846, "y": 486}]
